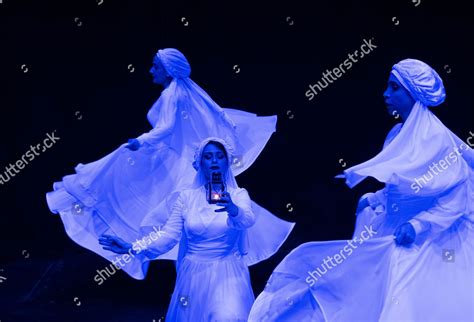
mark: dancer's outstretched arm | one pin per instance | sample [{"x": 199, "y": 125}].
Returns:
[
  {"x": 445, "y": 212},
  {"x": 436, "y": 219},
  {"x": 114, "y": 244},
  {"x": 164, "y": 126},
  {"x": 149, "y": 245}
]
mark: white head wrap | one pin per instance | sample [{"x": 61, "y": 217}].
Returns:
[
  {"x": 175, "y": 63},
  {"x": 422, "y": 81}
]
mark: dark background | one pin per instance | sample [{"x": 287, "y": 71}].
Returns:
[{"x": 77, "y": 54}]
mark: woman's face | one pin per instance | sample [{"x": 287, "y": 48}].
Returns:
[
  {"x": 158, "y": 71},
  {"x": 213, "y": 159},
  {"x": 397, "y": 99}
]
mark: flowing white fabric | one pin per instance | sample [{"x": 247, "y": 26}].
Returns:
[
  {"x": 339, "y": 289},
  {"x": 114, "y": 194},
  {"x": 432, "y": 279},
  {"x": 422, "y": 140}
]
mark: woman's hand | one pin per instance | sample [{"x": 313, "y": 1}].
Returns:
[
  {"x": 228, "y": 204},
  {"x": 405, "y": 234},
  {"x": 114, "y": 244},
  {"x": 133, "y": 144}
]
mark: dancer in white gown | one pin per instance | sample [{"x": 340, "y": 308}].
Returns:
[
  {"x": 411, "y": 257},
  {"x": 114, "y": 194},
  {"x": 213, "y": 281}
]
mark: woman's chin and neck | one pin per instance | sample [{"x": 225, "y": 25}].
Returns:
[
  {"x": 404, "y": 113},
  {"x": 165, "y": 83},
  {"x": 404, "y": 116}
]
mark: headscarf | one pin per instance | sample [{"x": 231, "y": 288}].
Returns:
[
  {"x": 422, "y": 81},
  {"x": 423, "y": 140},
  {"x": 175, "y": 63}
]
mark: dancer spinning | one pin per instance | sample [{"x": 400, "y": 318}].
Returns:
[
  {"x": 114, "y": 194},
  {"x": 427, "y": 206},
  {"x": 213, "y": 281}
]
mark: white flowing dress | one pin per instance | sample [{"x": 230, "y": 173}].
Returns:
[
  {"x": 213, "y": 282},
  {"x": 372, "y": 279}
]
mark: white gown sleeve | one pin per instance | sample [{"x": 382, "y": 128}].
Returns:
[
  {"x": 165, "y": 123},
  {"x": 245, "y": 217},
  {"x": 444, "y": 213},
  {"x": 419, "y": 226},
  {"x": 157, "y": 243},
  {"x": 372, "y": 214},
  {"x": 378, "y": 200}
]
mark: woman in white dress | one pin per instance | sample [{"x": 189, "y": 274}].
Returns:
[
  {"x": 114, "y": 194},
  {"x": 213, "y": 281},
  {"x": 411, "y": 256}
]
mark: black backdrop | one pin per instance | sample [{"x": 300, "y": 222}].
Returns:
[{"x": 68, "y": 67}]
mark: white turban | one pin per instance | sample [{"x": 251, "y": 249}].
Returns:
[
  {"x": 174, "y": 62},
  {"x": 422, "y": 81}
]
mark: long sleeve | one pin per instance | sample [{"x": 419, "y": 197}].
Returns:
[
  {"x": 163, "y": 240},
  {"x": 449, "y": 208},
  {"x": 372, "y": 213},
  {"x": 245, "y": 217},
  {"x": 419, "y": 226},
  {"x": 165, "y": 121},
  {"x": 378, "y": 198},
  {"x": 375, "y": 200}
]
